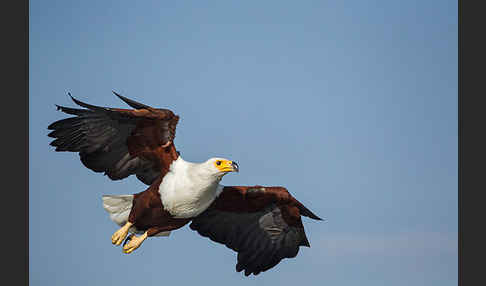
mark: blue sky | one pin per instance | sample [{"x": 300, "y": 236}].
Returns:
[{"x": 351, "y": 105}]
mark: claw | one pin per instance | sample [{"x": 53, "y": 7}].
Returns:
[
  {"x": 134, "y": 243},
  {"x": 129, "y": 237},
  {"x": 118, "y": 237}
]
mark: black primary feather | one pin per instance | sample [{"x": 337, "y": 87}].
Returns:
[
  {"x": 262, "y": 239},
  {"x": 99, "y": 135},
  {"x": 132, "y": 103}
]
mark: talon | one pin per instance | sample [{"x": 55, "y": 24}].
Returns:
[
  {"x": 134, "y": 243},
  {"x": 118, "y": 237},
  {"x": 129, "y": 237}
]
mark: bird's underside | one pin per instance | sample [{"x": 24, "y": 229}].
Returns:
[{"x": 262, "y": 224}]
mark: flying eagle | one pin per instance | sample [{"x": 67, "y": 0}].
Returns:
[{"x": 262, "y": 224}]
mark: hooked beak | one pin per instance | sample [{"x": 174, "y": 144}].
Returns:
[
  {"x": 226, "y": 166},
  {"x": 235, "y": 166}
]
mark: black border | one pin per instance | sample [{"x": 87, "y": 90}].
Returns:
[
  {"x": 15, "y": 144},
  {"x": 472, "y": 143},
  {"x": 471, "y": 117}
]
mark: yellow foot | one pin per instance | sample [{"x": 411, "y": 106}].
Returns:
[
  {"x": 134, "y": 243},
  {"x": 118, "y": 237}
]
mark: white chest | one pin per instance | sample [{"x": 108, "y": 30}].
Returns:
[{"x": 184, "y": 196}]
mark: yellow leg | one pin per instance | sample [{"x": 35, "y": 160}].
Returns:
[
  {"x": 134, "y": 243},
  {"x": 118, "y": 237}
]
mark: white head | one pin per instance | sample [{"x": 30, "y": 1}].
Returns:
[{"x": 218, "y": 167}]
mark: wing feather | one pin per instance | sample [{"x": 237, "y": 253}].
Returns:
[
  {"x": 132, "y": 103},
  {"x": 263, "y": 225},
  {"x": 118, "y": 142}
]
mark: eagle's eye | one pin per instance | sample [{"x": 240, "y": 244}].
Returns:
[{"x": 218, "y": 163}]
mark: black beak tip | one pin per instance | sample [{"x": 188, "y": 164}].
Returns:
[{"x": 235, "y": 166}]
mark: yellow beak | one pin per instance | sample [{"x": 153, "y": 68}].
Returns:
[{"x": 227, "y": 166}]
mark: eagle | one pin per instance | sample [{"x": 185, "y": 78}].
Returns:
[{"x": 261, "y": 223}]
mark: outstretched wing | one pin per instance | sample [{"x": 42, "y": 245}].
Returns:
[
  {"x": 262, "y": 224},
  {"x": 119, "y": 142}
]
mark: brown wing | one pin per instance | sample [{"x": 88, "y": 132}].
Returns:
[
  {"x": 119, "y": 142},
  {"x": 262, "y": 224}
]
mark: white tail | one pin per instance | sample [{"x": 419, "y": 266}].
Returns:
[{"x": 119, "y": 209}]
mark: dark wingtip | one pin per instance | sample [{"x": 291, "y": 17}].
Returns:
[
  {"x": 306, "y": 212},
  {"x": 120, "y": 96},
  {"x": 130, "y": 102},
  {"x": 304, "y": 242},
  {"x": 52, "y": 133},
  {"x": 76, "y": 101},
  {"x": 86, "y": 105},
  {"x": 83, "y": 104},
  {"x": 117, "y": 94},
  {"x": 51, "y": 126},
  {"x": 72, "y": 98},
  {"x": 239, "y": 267}
]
